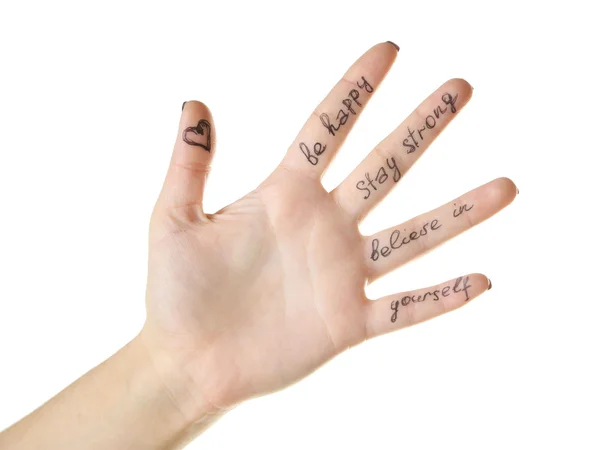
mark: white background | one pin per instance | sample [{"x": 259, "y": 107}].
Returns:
[{"x": 90, "y": 97}]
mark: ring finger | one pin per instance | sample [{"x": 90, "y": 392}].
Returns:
[{"x": 394, "y": 247}]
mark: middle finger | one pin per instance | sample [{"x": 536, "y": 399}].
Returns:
[{"x": 383, "y": 167}]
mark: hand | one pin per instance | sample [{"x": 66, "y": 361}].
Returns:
[{"x": 256, "y": 296}]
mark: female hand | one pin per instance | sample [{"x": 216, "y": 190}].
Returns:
[{"x": 256, "y": 296}]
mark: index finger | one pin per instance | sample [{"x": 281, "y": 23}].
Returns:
[{"x": 329, "y": 124}]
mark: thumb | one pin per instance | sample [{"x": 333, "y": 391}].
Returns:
[{"x": 183, "y": 188}]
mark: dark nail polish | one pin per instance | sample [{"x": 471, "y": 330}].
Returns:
[
  {"x": 397, "y": 48},
  {"x": 489, "y": 284},
  {"x": 182, "y": 106}
]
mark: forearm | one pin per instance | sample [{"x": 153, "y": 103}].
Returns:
[{"x": 123, "y": 403}]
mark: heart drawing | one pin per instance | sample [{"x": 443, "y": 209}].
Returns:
[{"x": 198, "y": 135}]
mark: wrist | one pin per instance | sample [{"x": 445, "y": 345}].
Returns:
[{"x": 189, "y": 403}]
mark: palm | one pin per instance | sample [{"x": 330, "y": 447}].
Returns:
[
  {"x": 288, "y": 289},
  {"x": 270, "y": 287}
]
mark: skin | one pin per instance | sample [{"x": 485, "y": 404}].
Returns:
[{"x": 250, "y": 299}]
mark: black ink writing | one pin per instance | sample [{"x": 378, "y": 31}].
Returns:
[
  {"x": 460, "y": 285},
  {"x": 198, "y": 135},
  {"x": 365, "y": 85},
  {"x": 450, "y": 101},
  {"x": 413, "y": 141},
  {"x": 318, "y": 150},
  {"x": 396, "y": 241},
  {"x": 395, "y": 305},
  {"x": 461, "y": 209},
  {"x": 380, "y": 177},
  {"x": 349, "y": 103}
]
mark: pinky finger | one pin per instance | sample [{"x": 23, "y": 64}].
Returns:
[{"x": 397, "y": 311}]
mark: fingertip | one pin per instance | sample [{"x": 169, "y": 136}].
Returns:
[
  {"x": 379, "y": 58},
  {"x": 464, "y": 83},
  {"x": 196, "y": 108},
  {"x": 394, "y": 44},
  {"x": 510, "y": 187},
  {"x": 463, "y": 86},
  {"x": 480, "y": 283},
  {"x": 505, "y": 190},
  {"x": 196, "y": 115},
  {"x": 459, "y": 89},
  {"x": 497, "y": 194}
]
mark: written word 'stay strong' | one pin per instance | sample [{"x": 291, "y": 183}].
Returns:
[
  {"x": 413, "y": 140},
  {"x": 371, "y": 182},
  {"x": 415, "y": 137}
]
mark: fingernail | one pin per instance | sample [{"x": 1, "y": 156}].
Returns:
[
  {"x": 489, "y": 284},
  {"x": 182, "y": 106},
  {"x": 397, "y": 48}
]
